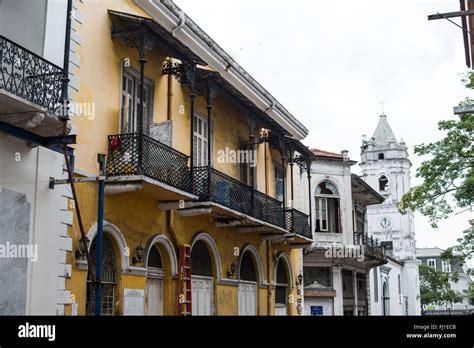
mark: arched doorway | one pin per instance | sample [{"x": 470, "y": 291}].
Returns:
[
  {"x": 202, "y": 280},
  {"x": 247, "y": 292},
  {"x": 385, "y": 299},
  {"x": 281, "y": 289},
  {"x": 109, "y": 277},
  {"x": 155, "y": 281}
]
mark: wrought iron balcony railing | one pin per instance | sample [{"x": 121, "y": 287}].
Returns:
[
  {"x": 132, "y": 154},
  {"x": 31, "y": 77},
  {"x": 213, "y": 185},
  {"x": 372, "y": 246},
  {"x": 298, "y": 222}
]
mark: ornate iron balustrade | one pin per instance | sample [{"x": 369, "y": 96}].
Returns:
[
  {"x": 268, "y": 209},
  {"x": 213, "y": 185},
  {"x": 372, "y": 246},
  {"x": 298, "y": 222},
  {"x": 132, "y": 154},
  {"x": 29, "y": 76}
]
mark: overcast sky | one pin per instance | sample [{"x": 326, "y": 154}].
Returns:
[{"x": 331, "y": 63}]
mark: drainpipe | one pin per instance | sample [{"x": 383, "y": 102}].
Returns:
[
  {"x": 209, "y": 139},
  {"x": 192, "y": 97},
  {"x": 291, "y": 180},
  {"x": 67, "y": 49},
  {"x": 100, "y": 232},
  {"x": 270, "y": 108},
  {"x": 170, "y": 213},
  {"x": 283, "y": 167},
  {"x": 265, "y": 166},
  {"x": 292, "y": 196},
  {"x": 182, "y": 23},
  {"x": 170, "y": 93},
  {"x": 269, "y": 291},
  {"x": 171, "y": 228},
  {"x": 142, "y": 61},
  {"x": 65, "y": 118}
]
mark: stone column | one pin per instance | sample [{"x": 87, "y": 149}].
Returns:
[
  {"x": 337, "y": 285},
  {"x": 354, "y": 277}
]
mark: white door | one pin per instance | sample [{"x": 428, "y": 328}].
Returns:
[
  {"x": 280, "y": 309},
  {"x": 201, "y": 295},
  {"x": 247, "y": 299},
  {"x": 155, "y": 296}
]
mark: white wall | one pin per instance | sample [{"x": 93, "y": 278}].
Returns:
[
  {"x": 55, "y": 30},
  {"x": 326, "y": 303},
  {"x": 375, "y": 306},
  {"x": 411, "y": 286},
  {"x": 339, "y": 174},
  {"x": 27, "y": 170},
  {"x": 23, "y": 21},
  {"x": 397, "y": 301},
  {"x": 38, "y": 25}
]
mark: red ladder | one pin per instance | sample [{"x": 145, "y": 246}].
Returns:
[{"x": 184, "y": 306}]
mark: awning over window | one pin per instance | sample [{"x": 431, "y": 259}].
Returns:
[{"x": 129, "y": 27}]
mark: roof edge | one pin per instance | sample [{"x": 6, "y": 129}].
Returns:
[{"x": 170, "y": 16}]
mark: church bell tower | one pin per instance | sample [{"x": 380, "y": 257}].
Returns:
[{"x": 386, "y": 168}]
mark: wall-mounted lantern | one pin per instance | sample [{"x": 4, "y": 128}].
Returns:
[{"x": 139, "y": 253}]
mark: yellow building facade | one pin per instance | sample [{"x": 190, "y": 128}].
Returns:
[{"x": 236, "y": 213}]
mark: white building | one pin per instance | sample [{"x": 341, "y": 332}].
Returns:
[
  {"x": 385, "y": 167},
  {"x": 336, "y": 266},
  {"x": 32, "y": 215}
]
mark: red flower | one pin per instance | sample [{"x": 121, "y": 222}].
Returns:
[{"x": 115, "y": 143}]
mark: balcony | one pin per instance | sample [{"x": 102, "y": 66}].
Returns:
[
  {"x": 211, "y": 185},
  {"x": 30, "y": 91},
  {"x": 144, "y": 161},
  {"x": 298, "y": 223},
  {"x": 372, "y": 248},
  {"x": 141, "y": 159}
]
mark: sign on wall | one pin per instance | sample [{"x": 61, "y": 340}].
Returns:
[
  {"x": 317, "y": 311},
  {"x": 133, "y": 302}
]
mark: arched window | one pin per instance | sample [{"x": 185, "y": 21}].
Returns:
[
  {"x": 327, "y": 215},
  {"x": 247, "y": 268},
  {"x": 108, "y": 279},
  {"x": 281, "y": 289},
  {"x": 247, "y": 291},
  {"x": 202, "y": 281},
  {"x": 154, "y": 258},
  {"x": 383, "y": 183},
  {"x": 201, "y": 261},
  {"x": 381, "y": 156},
  {"x": 326, "y": 188},
  {"x": 155, "y": 293}
]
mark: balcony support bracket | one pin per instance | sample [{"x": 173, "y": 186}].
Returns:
[{"x": 194, "y": 212}]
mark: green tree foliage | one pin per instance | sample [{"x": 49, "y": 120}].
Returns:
[
  {"x": 448, "y": 178},
  {"x": 435, "y": 288},
  {"x": 448, "y": 175},
  {"x": 465, "y": 248}
]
